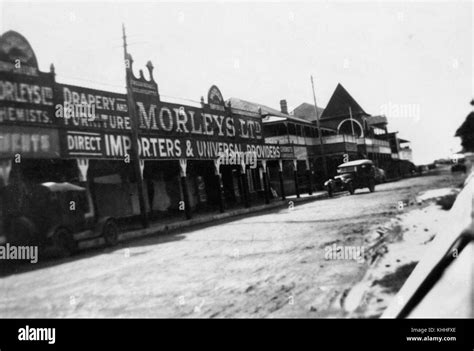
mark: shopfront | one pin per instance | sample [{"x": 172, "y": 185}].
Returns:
[{"x": 136, "y": 154}]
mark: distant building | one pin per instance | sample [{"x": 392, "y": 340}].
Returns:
[
  {"x": 296, "y": 135},
  {"x": 357, "y": 134}
]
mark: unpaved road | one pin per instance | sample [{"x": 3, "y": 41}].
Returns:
[{"x": 268, "y": 265}]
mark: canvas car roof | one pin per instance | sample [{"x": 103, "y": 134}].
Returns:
[
  {"x": 62, "y": 187},
  {"x": 356, "y": 163}
]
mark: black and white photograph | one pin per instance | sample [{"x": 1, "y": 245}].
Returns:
[{"x": 237, "y": 160}]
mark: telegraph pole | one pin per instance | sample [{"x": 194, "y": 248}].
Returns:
[
  {"x": 352, "y": 121},
  {"x": 134, "y": 128},
  {"x": 325, "y": 167}
]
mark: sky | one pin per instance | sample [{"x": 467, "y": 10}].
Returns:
[{"x": 412, "y": 61}]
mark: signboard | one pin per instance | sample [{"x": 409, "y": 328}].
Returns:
[
  {"x": 17, "y": 55},
  {"x": 80, "y": 107},
  {"x": 30, "y": 142},
  {"x": 287, "y": 152},
  {"x": 167, "y": 119},
  {"x": 301, "y": 152},
  {"x": 39, "y": 118},
  {"x": 26, "y": 100},
  {"x": 173, "y": 119},
  {"x": 151, "y": 147}
]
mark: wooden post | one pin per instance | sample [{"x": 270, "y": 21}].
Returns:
[
  {"x": 5, "y": 170},
  {"x": 295, "y": 175},
  {"x": 219, "y": 185},
  {"x": 184, "y": 185},
  {"x": 280, "y": 175},
  {"x": 245, "y": 184},
  {"x": 265, "y": 182},
  {"x": 310, "y": 177},
  {"x": 87, "y": 182}
]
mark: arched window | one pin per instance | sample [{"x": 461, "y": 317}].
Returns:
[{"x": 347, "y": 125}]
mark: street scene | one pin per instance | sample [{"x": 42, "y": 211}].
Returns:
[
  {"x": 260, "y": 265},
  {"x": 227, "y": 160}
]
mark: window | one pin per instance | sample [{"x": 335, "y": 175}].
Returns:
[{"x": 291, "y": 129}]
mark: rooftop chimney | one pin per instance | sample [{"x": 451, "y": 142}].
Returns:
[{"x": 283, "y": 107}]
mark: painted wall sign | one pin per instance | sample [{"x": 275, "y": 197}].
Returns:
[
  {"x": 118, "y": 146},
  {"x": 287, "y": 152},
  {"x": 40, "y": 118},
  {"x": 26, "y": 100},
  {"x": 215, "y": 99},
  {"x": 17, "y": 55},
  {"x": 83, "y": 144},
  {"x": 167, "y": 118},
  {"x": 110, "y": 110},
  {"x": 26, "y": 94},
  {"x": 300, "y": 152},
  {"x": 29, "y": 142}
]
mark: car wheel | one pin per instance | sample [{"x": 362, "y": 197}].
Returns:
[
  {"x": 371, "y": 185},
  {"x": 350, "y": 187},
  {"x": 63, "y": 242},
  {"x": 330, "y": 192},
  {"x": 110, "y": 233}
]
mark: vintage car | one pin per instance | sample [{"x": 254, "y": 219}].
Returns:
[
  {"x": 351, "y": 176},
  {"x": 55, "y": 216}
]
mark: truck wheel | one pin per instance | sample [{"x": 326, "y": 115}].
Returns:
[
  {"x": 21, "y": 232},
  {"x": 63, "y": 242},
  {"x": 371, "y": 185},
  {"x": 350, "y": 187},
  {"x": 110, "y": 233}
]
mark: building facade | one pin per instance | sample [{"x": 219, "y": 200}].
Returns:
[{"x": 137, "y": 154}]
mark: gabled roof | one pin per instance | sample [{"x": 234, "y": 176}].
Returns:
[
  {"x": 306, "y": 111},
  {"x": 339, "y": 104}
]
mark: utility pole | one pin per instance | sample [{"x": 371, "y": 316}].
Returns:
[
  {"x": 134, "y": 129},
  {"x": 352, "y": 122},
  {"x": 325, "y": 167}
]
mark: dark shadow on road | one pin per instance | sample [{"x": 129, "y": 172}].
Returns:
[{"x": 8, "y": 268}]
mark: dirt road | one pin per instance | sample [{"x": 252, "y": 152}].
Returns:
[{"x": 268, "y": 265}]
